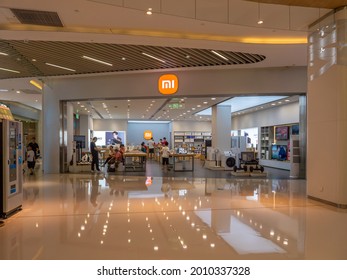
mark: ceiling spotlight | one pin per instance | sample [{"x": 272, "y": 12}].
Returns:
[
  {"x": 260, "y": 21},
  {"x": 149, "y": 11}
]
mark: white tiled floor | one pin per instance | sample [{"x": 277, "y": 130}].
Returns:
[{"x": 98, "y": 216}]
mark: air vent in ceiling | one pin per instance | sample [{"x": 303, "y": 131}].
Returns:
[{"x": 37, "y": 17}]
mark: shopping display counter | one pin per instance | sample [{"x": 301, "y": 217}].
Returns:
[
  {"x": 135, "y": 161},
  {"x": 183, "y": 162}
]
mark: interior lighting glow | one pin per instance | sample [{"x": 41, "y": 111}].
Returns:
[
  {"x": 36, "y": 84},
  {"x": 2, "y": 53},
  {"x": 97, "y": 60},
  {"x": 3, "y": 90},
  {"x": 151, "y": 56},
  {"x": 218, "y": 54},
  {"x": 61, "y": 67},
  {"x": 9, "y": 70},
  {"x": 149, "y": 11}
]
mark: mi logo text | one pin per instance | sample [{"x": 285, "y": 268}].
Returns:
[{"x": 168, "y": 84}]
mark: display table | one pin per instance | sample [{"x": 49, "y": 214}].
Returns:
[
  {"x": 135, "y": 161},
  {"x": 183, "y": 162}
]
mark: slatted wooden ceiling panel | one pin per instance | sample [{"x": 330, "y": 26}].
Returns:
[{"x": 30, "y": 58}]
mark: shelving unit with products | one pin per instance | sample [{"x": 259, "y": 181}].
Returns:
[
  {"x": 275, "y": 146},
  {"x": 192, "y": 141},
  {"x": 266, "y": 140}
]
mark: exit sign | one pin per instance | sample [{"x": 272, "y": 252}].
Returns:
[{"x": 176, "y": 106}]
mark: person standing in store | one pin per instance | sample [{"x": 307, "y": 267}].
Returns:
[
  {"x": 30, "y": 159},
  {"x": 165, "y": 154},
  {"x": 35, "y": 147},
  {"x": 95, "y": 154},
  {"x": 165, "y": 142},
  {"x": 151, "y": 145}
]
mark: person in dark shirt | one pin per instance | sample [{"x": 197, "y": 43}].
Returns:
[
  {"x": 35, "y": 147},
  {"x": 95, "y": 154}
]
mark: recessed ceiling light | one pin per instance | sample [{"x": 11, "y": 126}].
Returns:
[
  {"x": 33, "y": 59},
  {"x": 287, "y": 100},
  {"x": 260, "y": 21},
  {"x": 123, "y": 58},
  {"x": 97, "y": 60},
  {"x": 149, "y": 11},
  {"x": 273, "y": 104},
  {"x": 198, "y": 106},
  {"x": 187, "y": 56},
  {"x": 18, "y": 91},
  {"x": 205, "y": 102},
  {"x": 213, "y": 98}
]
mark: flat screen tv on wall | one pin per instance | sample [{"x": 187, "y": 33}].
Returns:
[
  {"x": 282, "y": 132},
  {"x": 279, "y": 152}
]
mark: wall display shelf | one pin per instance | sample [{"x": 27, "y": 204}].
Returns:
[
  {"x": 276, "y": 146},
  {"x": 266, "y": 140},
  {"x": 191, "y": 141}
]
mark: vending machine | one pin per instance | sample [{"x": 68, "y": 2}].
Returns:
[{"x": 11, "y": 167}]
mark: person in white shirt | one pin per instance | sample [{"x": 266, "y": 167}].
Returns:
[
  {"x": 151, "y": 145},
  {"x": 30, "y": 159},
  {"x": 165, "y": 154}
]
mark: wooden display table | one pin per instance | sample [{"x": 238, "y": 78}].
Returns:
[
  {"x": 183, "y": 162},
  {"x": 135, "y": 161}
]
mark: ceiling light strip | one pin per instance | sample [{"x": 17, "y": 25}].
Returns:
[
  {"x": 151, "y": 56},
  {"x": 97, "y": 60},
  {"x": 218, "y": 54},
  {"x": 9, "y": 70},
  {"x": 61, "y": 67},
  {"x": 36, "y": 84},
  {"x": 2, "y": 53}
]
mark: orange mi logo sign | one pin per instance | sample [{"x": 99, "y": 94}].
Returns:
[
  {"x": 168, "y": 84},
  {"x": 147, "y": 134}
]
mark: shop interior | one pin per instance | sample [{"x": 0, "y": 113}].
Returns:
[{"x": 263, "y": 143}]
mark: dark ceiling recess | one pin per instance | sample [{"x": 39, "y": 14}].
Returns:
[{"x": 37, "y": 17}]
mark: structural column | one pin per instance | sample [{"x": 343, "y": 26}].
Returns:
[
  {"x": 221, "y": 127},
  {"x": 327, "y": 110}
]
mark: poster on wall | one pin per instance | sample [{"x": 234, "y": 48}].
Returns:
[{"x": 106, "y": 138}]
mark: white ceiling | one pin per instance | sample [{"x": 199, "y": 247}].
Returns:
[{"x": 229, "y": 25}]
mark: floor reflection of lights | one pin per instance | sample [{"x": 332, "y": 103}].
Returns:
[{"x": 133, "y": 217}]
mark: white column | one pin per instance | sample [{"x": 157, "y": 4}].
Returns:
[
  {"x": 221, "y": 127},
  {"x": 86, "y": 124},
  {"x": 50, "y": 130},
  {"x": 327, "y": 111},
  {"x": 69, "y": 130}
]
